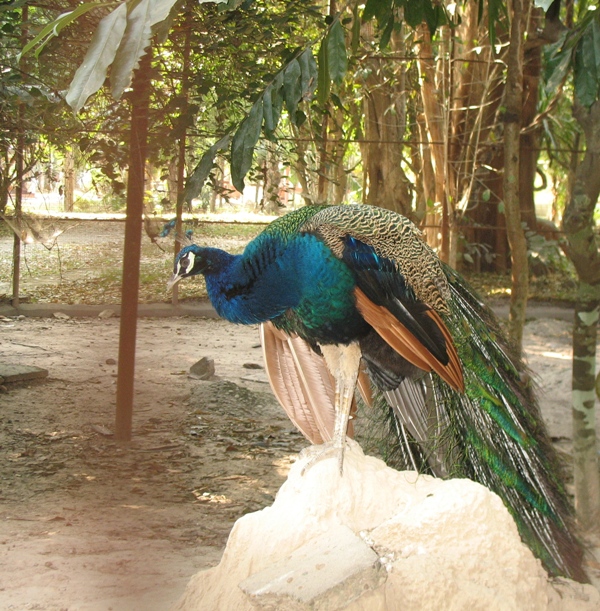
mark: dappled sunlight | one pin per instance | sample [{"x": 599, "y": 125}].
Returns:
[
  {"x": 557, "y": 355},
  {"x": 500, "y": 292}
]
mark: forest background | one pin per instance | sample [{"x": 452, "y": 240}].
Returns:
[{"x": 451, "y": 113}]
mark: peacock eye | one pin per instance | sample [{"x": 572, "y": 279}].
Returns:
[{"x": 187, "y": 263}]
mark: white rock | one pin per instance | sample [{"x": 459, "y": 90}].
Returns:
[
  {"x": 308, "y": 574},
  {"x": 107, "y": 314},
  {"x": 445, "y": 544}
]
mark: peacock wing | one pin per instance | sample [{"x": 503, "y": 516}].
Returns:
[
  {"x": 301, "y": 383},
  {"x": 412, "y": 342},
  {"x": 401, "y": 286}
]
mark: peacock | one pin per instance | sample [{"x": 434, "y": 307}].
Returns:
[{"x": 351, "y": 296}]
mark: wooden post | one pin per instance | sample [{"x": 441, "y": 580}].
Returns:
[
  {"x": 131, "y": 252},
  {"x": 16, "y": 279},
  {"x": 181, "y": 154},
  {"x": 19, "y": 171}
]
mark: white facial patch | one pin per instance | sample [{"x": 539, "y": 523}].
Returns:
[{"x": 186, "y": 264}]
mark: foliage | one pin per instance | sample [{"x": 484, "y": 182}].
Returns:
[
  {"x": 546, "y": 256},
  {"x": 577, "y": 50},
  {"x": 27, "y": 106},
  {"x": 124, "y": 33}
]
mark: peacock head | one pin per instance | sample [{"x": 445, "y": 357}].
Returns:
[
  {"x": 195, "y": 259},
  {"x": 188, "y": 262}
]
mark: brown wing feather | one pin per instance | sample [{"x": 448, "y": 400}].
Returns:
[
  {"x": 454, "y": 366},
  {"x": 301, "y": 383},
  {"x": 288, "y": 385},
  {"x": 405, "y": 343},
  {"x": 364, "y": 386}
]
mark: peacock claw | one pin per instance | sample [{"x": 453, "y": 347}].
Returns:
[{"x": 316, "y": 453}]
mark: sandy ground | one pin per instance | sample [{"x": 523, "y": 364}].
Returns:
[{"x": 88, "y": 523}]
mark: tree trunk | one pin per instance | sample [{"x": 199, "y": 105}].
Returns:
[
  {"x": 578, "y": 224},
  {"x": 309, "y": 188},
  {"x": 272, "y": 180},
  {"x": 437, "y": 125},
  {"x": 513, "y": 102},
  {"x": 339, "y": 178},
  {"x": 69, "y": 182},
  {"x": 180, "y": 171},
  {"x": 423, "y": 163},
  {"x": 384, "y": 103},
  {"x": 172, "y": 183},
  {"x": 530, "y": 138},
  {"x": 585, "y": 453}
]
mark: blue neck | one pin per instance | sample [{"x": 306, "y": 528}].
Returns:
[
  {"x": 246, "y": 290},
  {"x": 278, "y": 275}
]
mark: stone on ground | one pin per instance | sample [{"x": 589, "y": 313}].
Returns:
[
  {"x": 11, "y": 372},
  {"x": 204, "y": 369}
]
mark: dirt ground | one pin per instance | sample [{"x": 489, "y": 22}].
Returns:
[{"x": 87, "y": 523}]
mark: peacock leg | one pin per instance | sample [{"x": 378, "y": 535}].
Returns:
[{"x": 343, "y": 363}]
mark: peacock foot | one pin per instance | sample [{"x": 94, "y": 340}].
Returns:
[{"x": 329, "y": 449}]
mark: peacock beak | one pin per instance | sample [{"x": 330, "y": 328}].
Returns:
[{"x": 175, "y": 278}]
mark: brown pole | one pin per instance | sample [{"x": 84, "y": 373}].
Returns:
[
  {"x": 179, "y": 208},
  {"x": 133, "y": 242},
  {"x": 185, "y": 85},
  {"x": 19, "y": 172},
  {"x": 16, "y": 279}
]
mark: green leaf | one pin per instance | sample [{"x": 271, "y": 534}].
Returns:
[
  {"x": 270, "y": 123},
  {"x": 414, "y": 12},
  {"x": 337, "y": 60},
  {"x": 384, "y": 40},
  {"x": 196, "y": 180},
  {"x": 242, "y": 146},
  {"x": 292, "y": 87},
  {"x": 53, "y": 28},
  {"x": 324, "y": 80},
  {"x": 308, "y": 79},
  {"x": 596, "y": 44},
  {"x": 140, "y": 20},
  {"x": 435, "y": 16},
  {"x": 558, "y": 64},
  {"x": 12, "y": 5},
  {"x": 300, "y": 118},
  {"x": 92, "y": 72},
  {"x": 495, "y": 8},
  {"x": 272, "y": 105},
  {"x": 380, "y": 9},
  {"x": 586, "y": 75}
]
